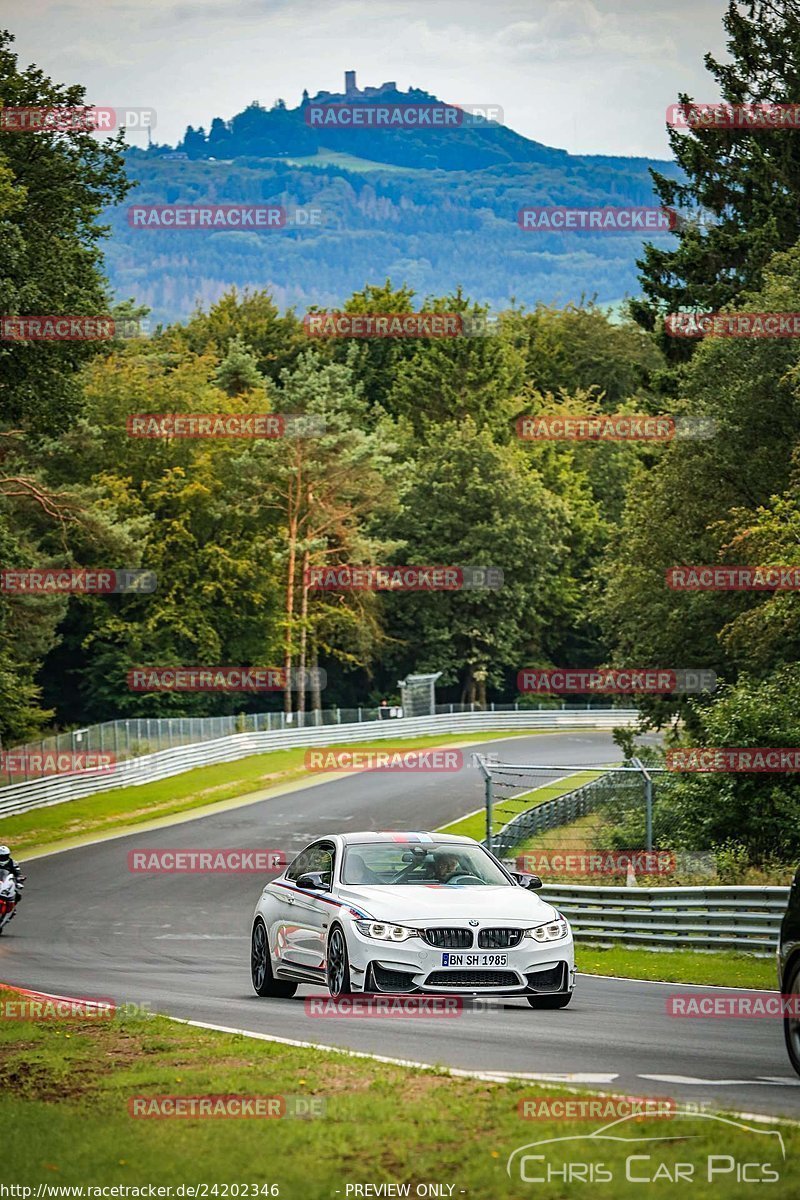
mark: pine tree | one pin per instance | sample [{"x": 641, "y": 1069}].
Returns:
[
  {"x": 746, "y": 180},
  {"x": 238, "y": 372}
]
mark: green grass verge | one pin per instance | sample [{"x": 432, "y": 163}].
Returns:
[
  {"x": 347, "y": 162},
  {"x": 474, "y": 825},
  {"x": 106, "y": 811},
  {"x": 724, "y": 968},
  {"x": 66, "y": 1089}
]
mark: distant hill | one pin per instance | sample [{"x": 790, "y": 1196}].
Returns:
[
  {"x": 473, "y": 145},
  {"x": 433, "y": 209}
]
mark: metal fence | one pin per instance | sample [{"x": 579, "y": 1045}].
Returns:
[
  {"x": 705, "y": 918},
  {"x": 551, "y": 814},
  {"x": 136, "y": 737},
  {"x": 626, "y": 802},
  {"x": 164, "y": 763}
]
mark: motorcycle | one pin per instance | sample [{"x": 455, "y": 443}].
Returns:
[{"x": 10, "y": 887}]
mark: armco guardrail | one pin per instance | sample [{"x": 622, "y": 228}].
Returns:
[
  {"x": 20, "y": 797},
  {"x": 135, "y": 737},
  {"x": 705, "y": 918}
]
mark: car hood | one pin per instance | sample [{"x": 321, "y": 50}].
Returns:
[{"x": 443, "y": 903}]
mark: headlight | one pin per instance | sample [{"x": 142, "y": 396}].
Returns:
[
  {"x": 553, "y": 931},
  {"x": 385, "y": 933}
]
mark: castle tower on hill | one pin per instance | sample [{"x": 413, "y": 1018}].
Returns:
[
  {"x": 371, "y": 92},
  {"x": 353, "y": 92}
]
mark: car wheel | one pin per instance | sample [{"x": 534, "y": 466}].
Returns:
[
  {"x": 264, "y": 982},
  {"x": 554, "y": 1000},
  {"x": 338, "y": 964},
  {"x": 791, "y": 1025}
]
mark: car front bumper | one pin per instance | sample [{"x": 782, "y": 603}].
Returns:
[{"x": 532, "y": 968}]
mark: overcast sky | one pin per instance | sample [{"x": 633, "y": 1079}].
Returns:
[{"x": 590, "y": 76}]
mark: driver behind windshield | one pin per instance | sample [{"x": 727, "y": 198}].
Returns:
[{"x": 445, "y": 866}]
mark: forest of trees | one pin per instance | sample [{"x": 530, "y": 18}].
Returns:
[
  {"x": 432, "y": 230},
  {"x": 419, "y": 464}
]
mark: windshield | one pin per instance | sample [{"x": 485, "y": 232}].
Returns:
[{"x": 396, "y": 863}]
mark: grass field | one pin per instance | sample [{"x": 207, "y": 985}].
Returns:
[
  {"x": 347, "y": 162},
  {"x": 68, "y": 1088},
  {"x": 722, "y": 968}
]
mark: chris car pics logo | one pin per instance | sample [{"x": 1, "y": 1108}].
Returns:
[{"x": 694, "y": 1147}]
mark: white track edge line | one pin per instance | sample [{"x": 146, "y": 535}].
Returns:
[
  {"x": 715, "y": 987},
  {"x": 460, "y": 1072}
]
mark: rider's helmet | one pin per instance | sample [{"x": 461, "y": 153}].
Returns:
[{"x": 5, "y": 858}]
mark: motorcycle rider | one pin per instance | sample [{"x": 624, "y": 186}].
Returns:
[{"x": 7, "y": 864}]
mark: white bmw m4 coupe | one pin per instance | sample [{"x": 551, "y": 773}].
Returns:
[{"x": 409, "y": 913}]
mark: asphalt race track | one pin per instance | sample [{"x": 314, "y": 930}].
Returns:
[{"x": 180, "y": 944}]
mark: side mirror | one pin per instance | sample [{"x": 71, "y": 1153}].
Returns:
[
  {"x": 532, "y": 882},
  {"x": 313, "y": 881}
]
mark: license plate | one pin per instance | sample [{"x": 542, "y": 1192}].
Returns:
[{"x": 474, "y": 960}]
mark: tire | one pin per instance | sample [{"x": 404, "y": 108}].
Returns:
[
  {"x": 337, "y": 964},
  {"x": 264, "y": 982},
  {"x": 791, "y": 1025},
  {"x": 554, "y": 1000}
]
